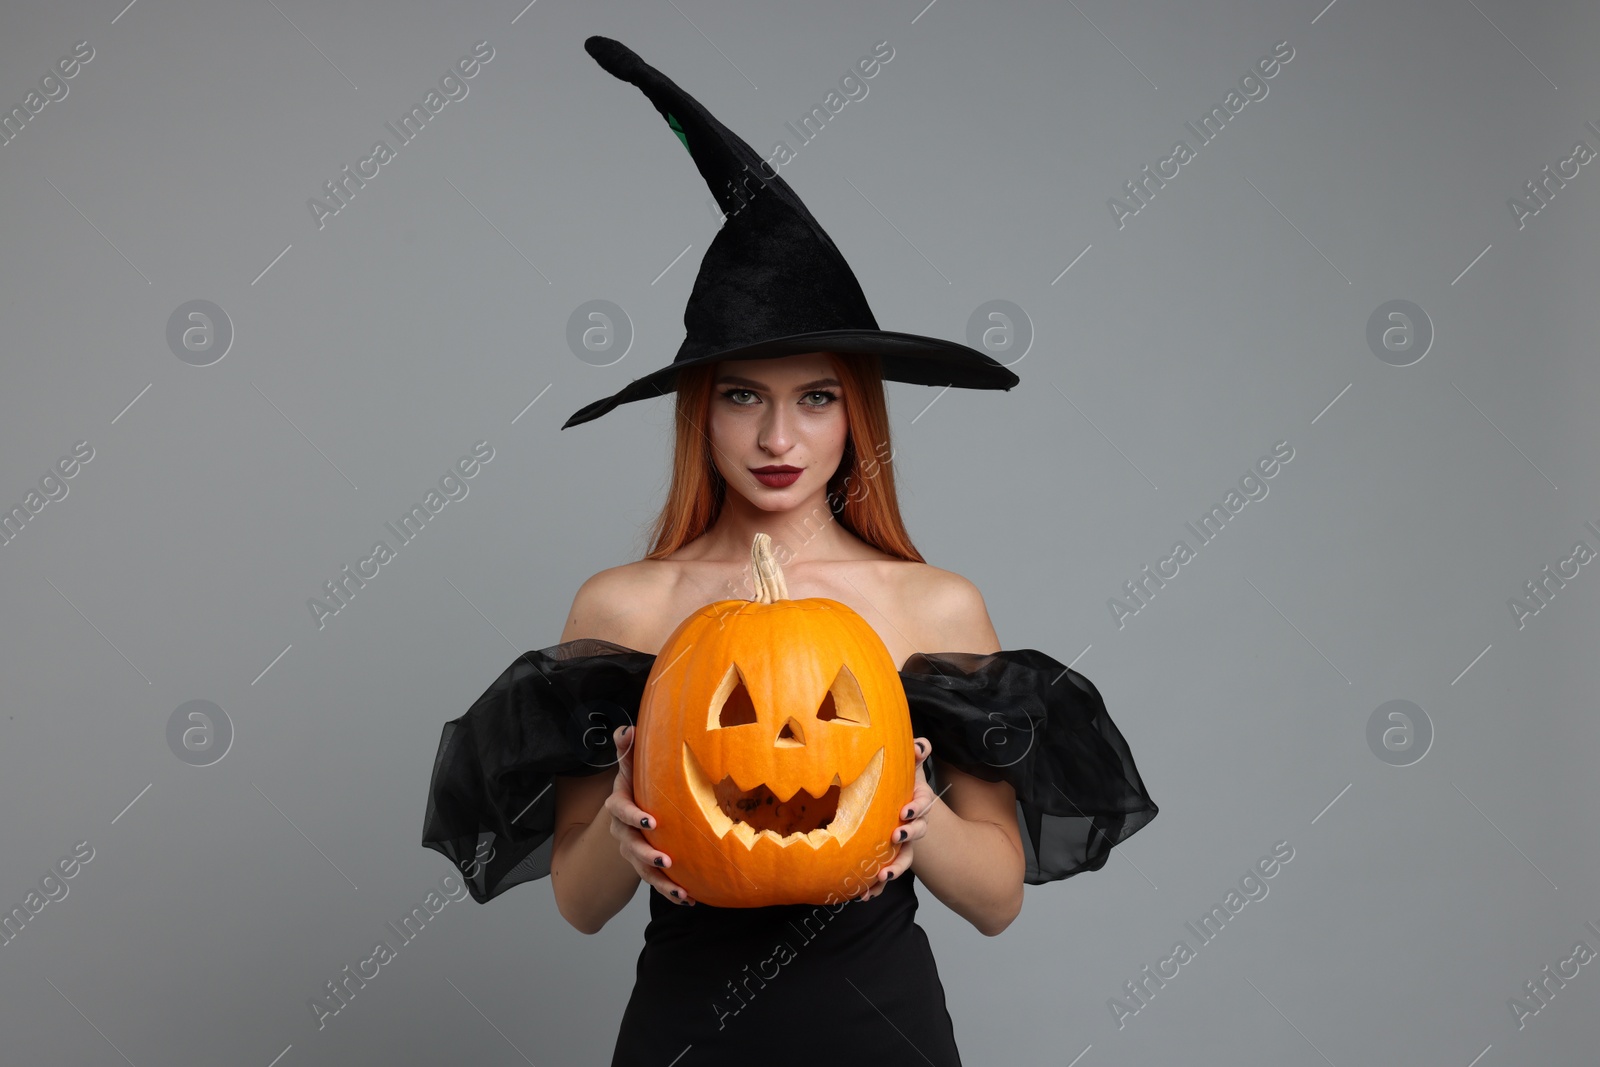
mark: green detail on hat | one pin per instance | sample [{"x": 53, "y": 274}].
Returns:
[{"x": 673, "y": 122}]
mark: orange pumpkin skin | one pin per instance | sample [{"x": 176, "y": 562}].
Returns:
[{"x": 822, "y": 709}]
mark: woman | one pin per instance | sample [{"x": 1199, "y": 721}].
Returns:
[
  {"x": 782, "y": 366},
  {"x": 822, "y": 415}
]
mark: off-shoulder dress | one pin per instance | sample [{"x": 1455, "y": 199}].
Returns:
[{"x": 850, "y": 983}]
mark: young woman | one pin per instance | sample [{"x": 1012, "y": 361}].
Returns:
[
  {"x": 782, "y": 429},
  {"x": 824, "y": 417}
]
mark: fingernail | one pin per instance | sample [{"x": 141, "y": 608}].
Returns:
[
  {"x": 644, "y": 821},
  {"x": 659, "y": 863},
  {"x": 890, "y": 875},
  {"x": 675, "y": 893},
  {"x": 910, "y": 812},
  {"x": 902, "y": 835}
]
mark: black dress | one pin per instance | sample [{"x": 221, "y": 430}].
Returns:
[{"x": 718, "y": 983}]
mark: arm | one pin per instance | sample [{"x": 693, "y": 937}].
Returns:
[
  {"x": 970, "y": 855},
  {"x": 590, "y": 878}
]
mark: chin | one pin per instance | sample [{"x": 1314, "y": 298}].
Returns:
[{"x": 783, "y": 499}]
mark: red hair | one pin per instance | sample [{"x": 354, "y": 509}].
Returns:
[{"x": 860, "y": 494}]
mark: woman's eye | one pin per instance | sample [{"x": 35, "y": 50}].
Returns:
[{"x": 736, "y": 396}]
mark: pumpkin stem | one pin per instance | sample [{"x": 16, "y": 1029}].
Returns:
[{"x": 769, "y": 576}]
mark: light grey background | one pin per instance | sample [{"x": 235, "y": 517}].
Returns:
[{"x": 1229, "y": 314}]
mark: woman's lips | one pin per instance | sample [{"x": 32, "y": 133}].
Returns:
[{"x": 776, "y": 479}]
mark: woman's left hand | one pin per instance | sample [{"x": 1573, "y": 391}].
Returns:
[{"x": 914, "y": 824}]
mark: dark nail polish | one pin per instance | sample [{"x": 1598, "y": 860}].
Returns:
[
  {"x": 902, "y": 835},
  {"x": 659, "y": 862},
  {"x": 644, "y": 821},
  {"x": 675, "y": 893},
  {"x": 891, "y": 875}
]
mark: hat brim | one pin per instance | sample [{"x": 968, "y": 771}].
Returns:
[{"x": 905, "y": 357}]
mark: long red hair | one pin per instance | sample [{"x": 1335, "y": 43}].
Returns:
[{"x": 861, "y": 493}]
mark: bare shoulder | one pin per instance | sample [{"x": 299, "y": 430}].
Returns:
[
  {"x": 608, "y": 605},
  {"x": 924, "y": 587},
  {"x": 950, "y": 610}
]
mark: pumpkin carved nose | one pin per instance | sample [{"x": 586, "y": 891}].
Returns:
[{"x": 791, "y": 736}]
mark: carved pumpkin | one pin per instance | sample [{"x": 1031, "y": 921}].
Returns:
[{"x": 774, "y": 747}]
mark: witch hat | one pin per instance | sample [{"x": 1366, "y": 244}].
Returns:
[{"x": 772, "y": 283}]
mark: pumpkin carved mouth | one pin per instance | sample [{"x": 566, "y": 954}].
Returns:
[{"x": 751, "y": 814}]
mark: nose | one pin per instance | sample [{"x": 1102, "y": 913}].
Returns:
[{"x": 777, "y": 432}]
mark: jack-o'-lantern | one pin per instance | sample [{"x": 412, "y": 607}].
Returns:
[{"x": 774, "y": 747}]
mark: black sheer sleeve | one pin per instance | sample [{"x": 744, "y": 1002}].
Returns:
[
  {"x": 1021, "y": 717},
  {"x": 491, "y": 803}
]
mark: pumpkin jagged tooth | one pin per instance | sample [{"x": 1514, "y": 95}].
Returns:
[{"x": 819, "y": 789}]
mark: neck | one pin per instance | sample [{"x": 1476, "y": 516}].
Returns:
[{"x": 807, "y": 531}]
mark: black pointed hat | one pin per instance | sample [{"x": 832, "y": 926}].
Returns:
[{"x": 772, "y": 283}]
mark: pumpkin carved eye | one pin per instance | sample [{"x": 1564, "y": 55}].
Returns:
[
  {"x": 737, "y": 708},
  {"x": 844, "y": 702}
]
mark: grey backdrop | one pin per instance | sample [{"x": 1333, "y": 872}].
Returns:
[{"x": 1231, "y": 312}]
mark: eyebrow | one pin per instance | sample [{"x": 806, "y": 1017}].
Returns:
[{"x": 730, "y": 379}]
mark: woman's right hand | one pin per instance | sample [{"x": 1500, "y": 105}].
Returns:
[{"x": 627, "y": 818}]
